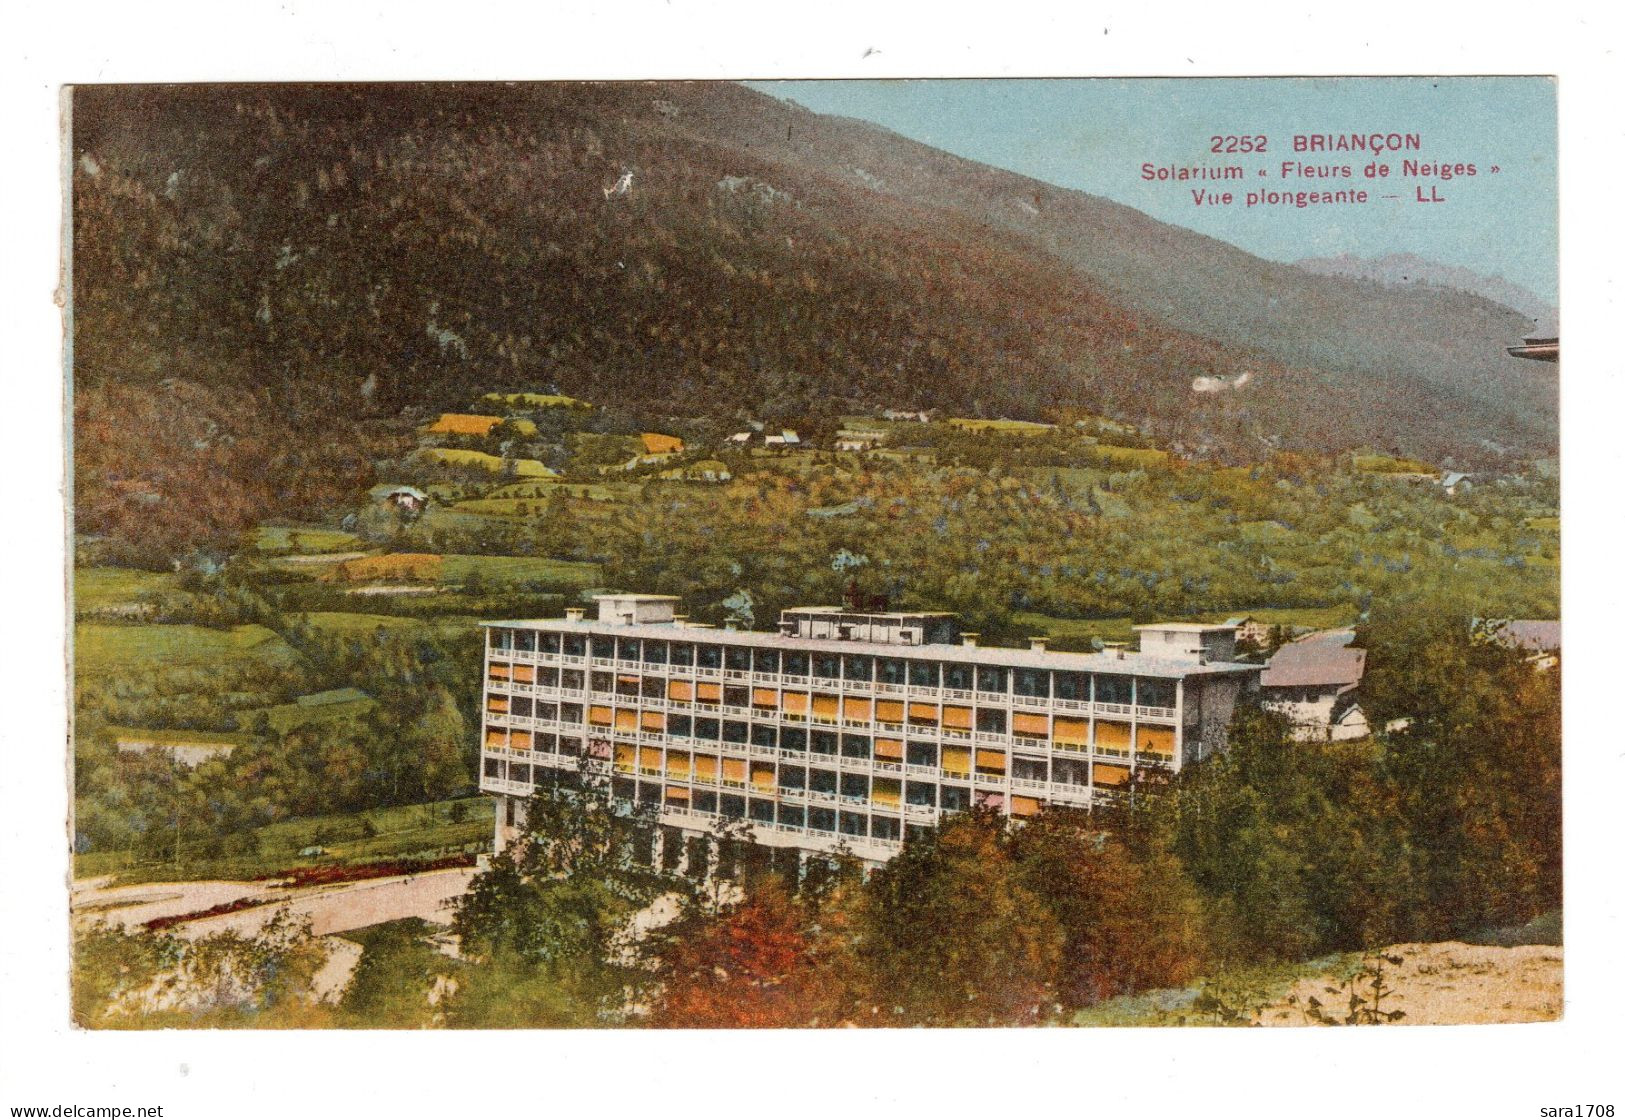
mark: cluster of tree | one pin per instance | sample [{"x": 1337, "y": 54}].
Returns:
[
  {"x": 418, "y": 742},
  {"x": 1167, "y": 541}
]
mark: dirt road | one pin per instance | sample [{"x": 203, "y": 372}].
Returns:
[
  {"x": 331, "y": 909},
  {"x": 1450, "y": 982}
]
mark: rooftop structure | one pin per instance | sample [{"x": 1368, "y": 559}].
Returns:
[
  {"x": 1314, "y": 682},
  {"x": 841, "y": 727},
  {"x": 1537, "y": 635}
]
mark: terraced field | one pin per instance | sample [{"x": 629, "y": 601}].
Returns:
[
  {"x": 283, "y": 538},
  {"x": 108, "y": 647},
  {"x": 104, "y": 588}
]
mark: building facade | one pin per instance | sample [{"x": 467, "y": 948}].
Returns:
[
  {"x": 842, "y": 727},
  {"x": 1315, "y": 683}
]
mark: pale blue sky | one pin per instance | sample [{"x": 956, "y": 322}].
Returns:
[{"x": 1094, "y": 135}]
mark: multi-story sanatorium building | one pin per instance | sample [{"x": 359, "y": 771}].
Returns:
[{"x": 842, "y": 726}]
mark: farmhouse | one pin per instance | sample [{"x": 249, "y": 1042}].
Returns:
[
  {"x": 656, "y": 444},
  {"x": 1455, "y": 480},
  {"x": 1249, "y": 629},
  {"x": 1540, "y": 638},
  {"x": 1315, "y": 683},
  {"x": 407, "y": 499}
]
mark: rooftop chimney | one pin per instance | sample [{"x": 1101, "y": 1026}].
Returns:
[
  {"x": 969, "y": 637},
  {"x": 679, "y": 620},
  {"x": 1039, "y": 644}
]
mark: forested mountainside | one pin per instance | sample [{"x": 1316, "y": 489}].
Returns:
[
  {"x": 1410, "y": 270},
  {"x": 271, "y": 274}
]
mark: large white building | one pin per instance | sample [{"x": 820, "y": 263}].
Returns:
[{"x": 842, "y": 727}]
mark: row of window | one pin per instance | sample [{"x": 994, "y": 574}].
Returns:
[
  {"x": 793, "y": 703},
  {"x": 765, "y": 776},
  {"x": 1105, "y": 735},
  {"x": 852, "y": 820},
  {"x": 1107, "y": 688}
]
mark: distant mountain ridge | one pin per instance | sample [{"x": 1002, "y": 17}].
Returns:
[
  {"x": 1408, "y": 268},
  {"x": 697, "y": 249}
]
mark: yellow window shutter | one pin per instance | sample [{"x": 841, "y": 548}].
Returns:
[
  {"x": 1108, "y": 775},
  {"x": 1075, "y": 731},
  {"x": 1110, "y": 733},
  {"x": 1157, "y": 740},
  {"x": 1026, "y": 723}
]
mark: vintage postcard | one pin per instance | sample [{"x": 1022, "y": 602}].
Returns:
[{"x": 815, "y": 554}]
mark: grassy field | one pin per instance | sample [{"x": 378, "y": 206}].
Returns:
[
  {"x": 346, "y": 622},
  {"x": 394, "y": 566},
  {"x": 1129, "y": 456},
  {"x": 284, "y": 538},
  {"x": 109, "y": 647},
  {"x": 514, "y": 571},
  {"x": 401, "y": 832},
  {"x": 338, "y": 706},
  {"x": 525, "y": 491},
  {"x": 1388, "y": 464},
  {"x": 1545, "y": 524},
  {"x": 534, "y": 400},
  {"x": 1006, "y": 427},
  {"x": 97, "y": 588},
  {"x": 169, "y": 737},
  {"x": 522, "y": 468}
]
